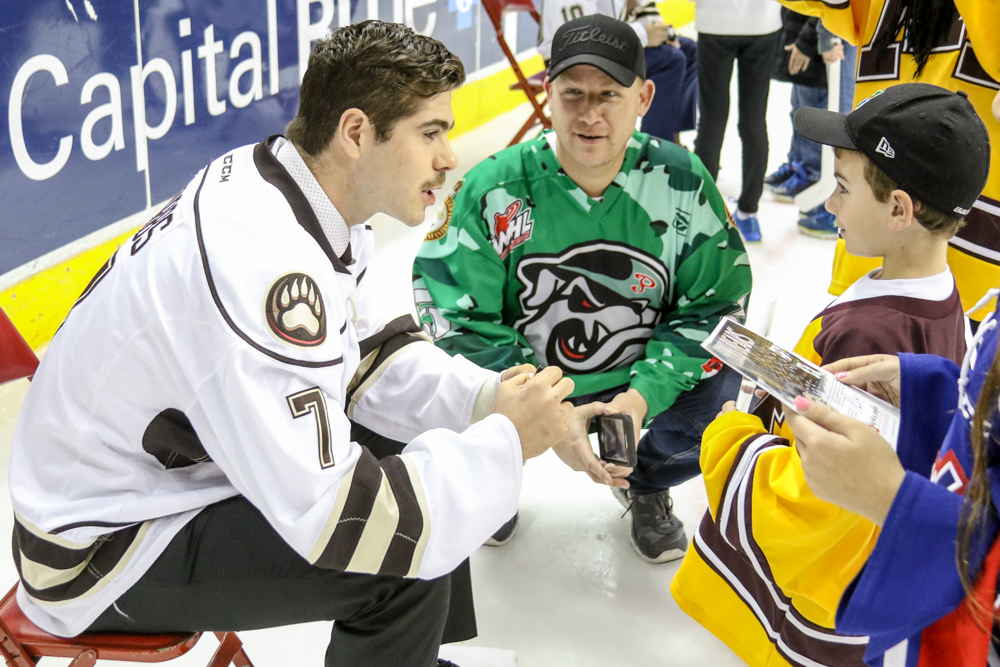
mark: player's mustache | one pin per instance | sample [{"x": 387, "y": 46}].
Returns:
[{"x": 436, "y": 183}]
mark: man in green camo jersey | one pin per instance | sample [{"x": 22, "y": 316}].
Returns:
[{"x": 603, "y": 251}]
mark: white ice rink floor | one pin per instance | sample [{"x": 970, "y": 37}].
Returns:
[{"x": 568, "y": 590}]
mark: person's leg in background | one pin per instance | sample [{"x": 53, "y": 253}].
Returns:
[
  {"x": 716, "y": 55},
  {"x": 847, "y": 66},
  {"x": 805, "y": 151},
  {"x": 756, "y": 60},
  {"x": 676, "y": 80}
]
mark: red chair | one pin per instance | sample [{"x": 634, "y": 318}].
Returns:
[
  {"x": 22, "y": 642},
  {"x": 532, "y": 86}
]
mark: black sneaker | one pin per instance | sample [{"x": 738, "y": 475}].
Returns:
[
  {"x": 504, "y": 535},
  {"x": 445, "y": 663},
  {"x": 657, "y": 535}
]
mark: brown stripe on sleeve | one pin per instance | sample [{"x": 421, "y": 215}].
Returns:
[
  {"x": 365, "y": 484},
  {"x": 794, "y": 637},
  {"x": 47, "y": 583},
  {"x": 378, "y": 351},
  {"x": 399, "y": 557}
]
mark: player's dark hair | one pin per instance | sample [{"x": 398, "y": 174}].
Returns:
[
  {"x": 925, "y": 24},
  {"x": 384, "y": 69},
  {"x": 934, "y": 221},
  {"x": 978, "y": 501}
]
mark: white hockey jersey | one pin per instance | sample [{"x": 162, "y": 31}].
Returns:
[
  {"x": 556, "y": 12},
  {"x": 222, "y": 351}
]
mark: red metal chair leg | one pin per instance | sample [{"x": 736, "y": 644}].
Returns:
[
  {"x": 13, "y": 653},
  {"x": 230, "y": 651},
  {"x": 86, "y": 659}
]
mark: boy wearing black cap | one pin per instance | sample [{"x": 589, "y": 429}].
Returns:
[
  {"x": 603, "y": 251},
  {"x": 772, "y": 560}
]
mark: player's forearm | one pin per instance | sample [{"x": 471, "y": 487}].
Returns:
[{"x": 423, "y": 388}]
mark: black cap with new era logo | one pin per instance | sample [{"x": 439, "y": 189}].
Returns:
[
  {"x": 608, "y": 44},
  {"x": 927, "y": 139}
]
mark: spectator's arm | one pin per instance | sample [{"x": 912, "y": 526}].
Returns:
[{"x": 711, "y": 280}]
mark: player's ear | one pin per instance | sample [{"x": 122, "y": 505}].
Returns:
[
  {"x": 903, "y": 210},
  {"x": 646, "y": 92},
  {"x": 350, "y": 132}
]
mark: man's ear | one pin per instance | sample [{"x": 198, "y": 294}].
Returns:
[
  {"x": 349, "y": 136},
  {"x": 903, "y": 211},
  {"x": 547, "y": 85},
  {"x": 646, "y": 92}
]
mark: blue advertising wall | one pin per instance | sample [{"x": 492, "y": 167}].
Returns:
[{"x": 113, "y": 105}]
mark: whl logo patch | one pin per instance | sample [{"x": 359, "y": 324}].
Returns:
[
  {"x": 511, "y": 228},
  {"x": 885, "y": 149},
  {"x": 294, "y": 310}
]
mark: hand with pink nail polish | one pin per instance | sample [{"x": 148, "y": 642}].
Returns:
[
  {"x": 845, "y": 462},
  {"x": 878, "y": 374}
]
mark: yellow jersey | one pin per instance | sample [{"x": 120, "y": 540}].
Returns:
[{"x": 974, "y": 253}]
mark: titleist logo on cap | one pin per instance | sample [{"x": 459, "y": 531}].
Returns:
[{"x": 578, "y": 35}]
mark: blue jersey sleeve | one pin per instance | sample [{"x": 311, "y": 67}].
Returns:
[{"x": 929, "y": 396}]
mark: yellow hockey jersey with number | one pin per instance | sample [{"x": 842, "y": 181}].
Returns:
[
  {"x": 770, "y": 561},
  {"x": 974, "y": 253}
]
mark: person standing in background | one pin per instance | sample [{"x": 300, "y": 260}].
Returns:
[
  {"x": 747, "y": 32},
  {"x": 818, "y": 221}
]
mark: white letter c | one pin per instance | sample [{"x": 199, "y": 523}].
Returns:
[{"x": 32, "y": 169}]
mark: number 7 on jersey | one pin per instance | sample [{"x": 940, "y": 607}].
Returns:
[{"x": 311, "y": 400}]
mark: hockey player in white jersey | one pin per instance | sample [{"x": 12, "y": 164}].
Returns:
[{"x": 184, "y": 458}]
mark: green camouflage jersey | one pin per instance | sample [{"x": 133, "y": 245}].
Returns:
[{"x": 523, "y": 267}]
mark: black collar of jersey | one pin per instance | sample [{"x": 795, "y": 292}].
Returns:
[{"x": 275, "y": 173}]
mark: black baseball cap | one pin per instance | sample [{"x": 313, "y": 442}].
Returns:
[
  {"x": 927, "y": 139},
  {"x": 608, "y": 44}
]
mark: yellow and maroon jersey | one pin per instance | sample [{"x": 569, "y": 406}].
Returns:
[
  {"x": 770, "y": 560},
  {"x": 974, "y": 253}
]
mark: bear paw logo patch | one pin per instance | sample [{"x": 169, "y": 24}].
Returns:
[{"x": 295, "y": 312}]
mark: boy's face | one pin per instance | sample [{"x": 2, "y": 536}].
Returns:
[
  {"x": 862, "y": 219},
  {"x": 401, "y": 173}
]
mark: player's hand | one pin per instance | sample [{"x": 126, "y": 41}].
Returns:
[
  {"x": 534, "y": 403},
  {"x": 834, "y": 54},
  {"x": 657, "y": 32},
  {"x": 846, "y": 462},
  {"x": 516, "y": 370},
  {"x": 798, "y": 61},
  {"x": 576, "y": 451},
  {"x": 878, "y": 374}
]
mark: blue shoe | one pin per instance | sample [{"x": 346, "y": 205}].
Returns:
[
  {"x": 821, "y": 225},
  {"x": 796, "y": 183},
  {"x": 781, "y": 174},
  {"x": 813, "y": 211},
  {"x": 747, "y": 224}
]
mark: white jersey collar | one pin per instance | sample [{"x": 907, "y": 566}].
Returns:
[
  {"x": 330, "y": 220},
  {"x": 932, "y": 288}
]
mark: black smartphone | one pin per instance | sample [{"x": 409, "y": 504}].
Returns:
[
  {"x": 671, "y": 34},
  {"x": 616, "y": 438}
]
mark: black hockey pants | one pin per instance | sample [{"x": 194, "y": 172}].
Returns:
[{"x": 229, "y": 570}]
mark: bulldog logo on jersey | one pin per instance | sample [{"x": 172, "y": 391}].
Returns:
[
  {"x": 294, "y": 310},
  {"x": 591, "y": 308}
]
